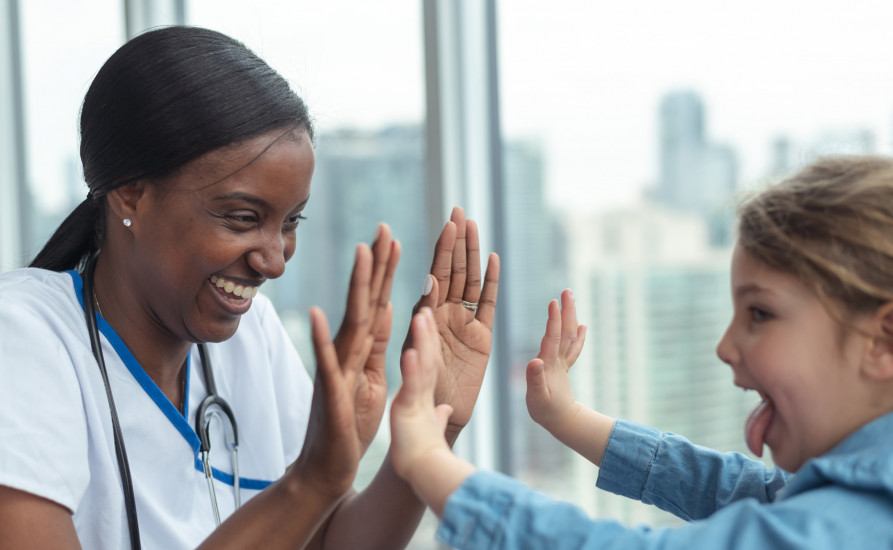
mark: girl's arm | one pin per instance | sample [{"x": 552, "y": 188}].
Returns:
[{"x": 550, "y": 397}]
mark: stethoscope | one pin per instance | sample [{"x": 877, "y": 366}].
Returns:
[{"x": 212, "y": 407}]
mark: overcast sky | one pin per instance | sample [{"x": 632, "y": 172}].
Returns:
[{"x": 584, "y": 78}]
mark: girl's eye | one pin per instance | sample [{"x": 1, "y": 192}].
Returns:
[{"x": 759, "y": 315}]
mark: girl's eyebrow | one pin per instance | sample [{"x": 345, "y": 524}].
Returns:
[{"x": 750, "y": 288}]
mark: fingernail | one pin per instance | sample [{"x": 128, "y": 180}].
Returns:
[{"x": 429, "y": 284}]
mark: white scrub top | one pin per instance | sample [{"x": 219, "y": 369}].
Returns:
[{"x": 55, "y": 427}]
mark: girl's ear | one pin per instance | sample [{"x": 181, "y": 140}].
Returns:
[
  {"x": 123, "y": 200},
  {"x": 879, "y": 363}
]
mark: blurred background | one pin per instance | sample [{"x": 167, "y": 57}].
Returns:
[{"x": 600, "y": 145}]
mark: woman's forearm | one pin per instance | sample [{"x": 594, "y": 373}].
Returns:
[
  {"x": 384, "y": 515},
  {"x": 286, "y": 515}
]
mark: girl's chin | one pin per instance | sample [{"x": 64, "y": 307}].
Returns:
[{"x": 785, "y": 461}]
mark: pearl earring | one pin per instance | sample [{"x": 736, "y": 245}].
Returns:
[{"x": 127, "y": 222}]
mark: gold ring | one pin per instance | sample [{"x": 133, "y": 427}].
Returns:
[{"x": 473, "y": 306}]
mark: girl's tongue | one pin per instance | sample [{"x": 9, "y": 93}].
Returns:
[{"x": 758, "y": 424}]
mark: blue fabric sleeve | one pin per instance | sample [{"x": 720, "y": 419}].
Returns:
[
  {"x": 679, "y": 477},
  {"x": 494, "y": 512}
]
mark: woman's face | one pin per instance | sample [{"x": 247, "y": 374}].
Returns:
[
  {"x": 784, "y": 344},
  {"x": 206, "y": 240}
]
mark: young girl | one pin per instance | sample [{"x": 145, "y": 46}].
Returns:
[{"x": 812, "y": 333}]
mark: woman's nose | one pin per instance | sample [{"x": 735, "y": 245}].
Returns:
[{"x": 269, "y": 256}]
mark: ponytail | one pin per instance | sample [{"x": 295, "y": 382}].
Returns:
[{"x": 76, "y": 238}]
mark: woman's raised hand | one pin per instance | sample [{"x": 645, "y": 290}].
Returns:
[
  {"x": 363, "y": 337},
  {"x": 550, "y": 398},
  {"x": 464, "y": 312},
  {"x": 350, "y": 389},
  {"x": 332, "y": 446}
]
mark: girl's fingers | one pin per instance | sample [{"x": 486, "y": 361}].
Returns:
[
  {"x": 443, "y": 413},
  {"x": 574, "y": 352},
  {"x": 536, "y": 377},
  {"x": 552, "y": 337},
  {"x": 568, "y": 322}
]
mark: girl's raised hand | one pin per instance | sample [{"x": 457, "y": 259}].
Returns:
[
  {"x": 417, "y": 427},
  {"x": 550, "y": 398}
]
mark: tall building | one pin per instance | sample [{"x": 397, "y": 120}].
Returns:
[
  {"x": 696, "y": 174},
  {"x": 532, "y": 272}
]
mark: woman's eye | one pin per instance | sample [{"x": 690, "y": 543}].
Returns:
[
  {"x": 242, "y": 219},
  {"x": 294, "y": 221}
]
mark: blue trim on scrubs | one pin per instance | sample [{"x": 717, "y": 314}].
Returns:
[{"x": 161, "y": 401}]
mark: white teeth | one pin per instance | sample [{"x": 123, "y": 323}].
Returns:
[{"x": 232, "y": 288}]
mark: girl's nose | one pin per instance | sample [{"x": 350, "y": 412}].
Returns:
[{"x": 725, "y": 349}]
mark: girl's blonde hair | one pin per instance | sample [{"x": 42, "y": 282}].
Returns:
[{"x": 831, "y": 226}]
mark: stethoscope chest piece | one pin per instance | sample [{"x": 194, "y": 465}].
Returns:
[{"x": 213, "y": 407}]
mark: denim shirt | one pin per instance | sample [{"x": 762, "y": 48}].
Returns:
[{"x": 843, "y": 499}]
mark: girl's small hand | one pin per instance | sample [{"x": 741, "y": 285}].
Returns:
[
  {"x": 417, "y": 426},
  {"x": 550, "y": 398}
]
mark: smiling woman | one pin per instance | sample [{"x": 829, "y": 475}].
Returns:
[{"x": 199, "y": 159}]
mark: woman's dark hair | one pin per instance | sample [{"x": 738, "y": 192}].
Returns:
[{"x": 163, "y": 99}]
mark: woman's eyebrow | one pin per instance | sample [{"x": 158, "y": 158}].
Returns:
[
  {"x": 239, "y": 195},
  {"x": 253, "y": 199}
]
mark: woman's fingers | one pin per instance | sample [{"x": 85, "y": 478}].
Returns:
[
  {"x": 442, "y": 264},
  {"x": 328, "y": 368},
  {"x": 459, "y": 267},
  {"x": 385, "y": 256},
  {"x": 487, "y": 301},
  {"x": 472, "y": 290},
  {"x": 384, "y": 295},
  {"x": 357, "y": 318}
]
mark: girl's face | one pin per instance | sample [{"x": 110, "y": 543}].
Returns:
[
  {"x": 205, "y": 242},
  {"x": 784, "y": 344}
]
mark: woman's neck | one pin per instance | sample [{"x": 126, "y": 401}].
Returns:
[{"x": 161, "y": 355}]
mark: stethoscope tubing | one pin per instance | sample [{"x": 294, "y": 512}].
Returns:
[
  {"x": 120, "y": 451},
  {"x": 207, "y": 410}
]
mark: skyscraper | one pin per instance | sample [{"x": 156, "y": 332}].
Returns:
[{"x": 696, "y": 174}]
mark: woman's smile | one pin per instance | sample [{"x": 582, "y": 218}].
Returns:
[{"x": 232, "y": 288}]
